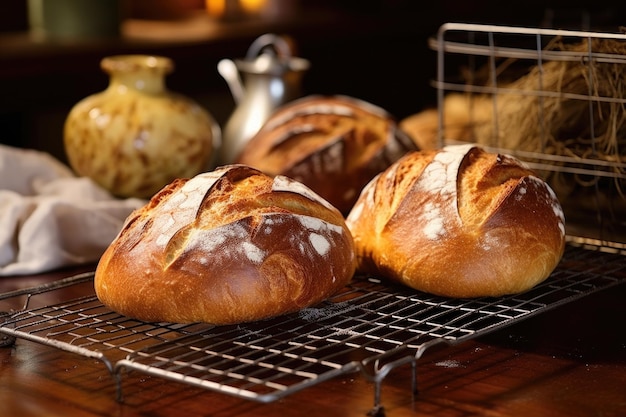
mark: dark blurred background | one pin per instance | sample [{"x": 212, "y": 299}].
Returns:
[{"x": 376, "y": 50}]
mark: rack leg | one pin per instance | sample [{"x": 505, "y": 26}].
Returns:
[
  {"x": 119, "y": 397},
  {"x": 414, "y": 378},
  {"x": 5, "y": 339},
  {"x": 378, "y": 410}
]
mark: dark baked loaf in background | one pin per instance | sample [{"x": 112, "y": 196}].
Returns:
[{"x": 332, "y": 144}]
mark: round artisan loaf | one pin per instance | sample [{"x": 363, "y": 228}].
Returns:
[
  {"x": 333, "y": 144},
  {"x": 228, "y": 246},
  {"x": 459, "y": 222}
]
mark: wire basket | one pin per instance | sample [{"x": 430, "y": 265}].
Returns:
[{"x": 553, "y": 98}]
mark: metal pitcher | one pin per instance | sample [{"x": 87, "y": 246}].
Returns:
[{"x": 271, "y": 77}]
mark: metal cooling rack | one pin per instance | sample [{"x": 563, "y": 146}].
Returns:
[{"x": 371, "y": 327}]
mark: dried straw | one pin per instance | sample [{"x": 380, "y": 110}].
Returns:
[{"x": 573, "y": 108}]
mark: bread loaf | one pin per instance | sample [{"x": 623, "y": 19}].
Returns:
[
  {"x": 461, "y": 114},
  {"x": 228, "y": 246},
  {"x": 332, "y": 144},
  {"x": 459, "y": 222}
]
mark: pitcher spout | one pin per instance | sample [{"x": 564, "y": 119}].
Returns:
[{"x": 228, "y": 70}]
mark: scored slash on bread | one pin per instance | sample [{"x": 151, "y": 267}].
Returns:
[
  {"x": 459, "y": 222},
  {"x": 228, "y": 246}
]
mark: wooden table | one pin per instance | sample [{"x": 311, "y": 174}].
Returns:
[{"x": 570, "y": 361}]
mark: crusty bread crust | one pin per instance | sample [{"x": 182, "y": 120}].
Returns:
[
  {"x": 333, "y": 144},
  {"x": 459, "y": 222},
  {"x": 228, "y": 246}
]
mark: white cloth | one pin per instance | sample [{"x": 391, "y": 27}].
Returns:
[{"x": 50, "y": 218}]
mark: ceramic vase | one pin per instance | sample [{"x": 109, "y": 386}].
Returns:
[{"x": 137, "y": 136}]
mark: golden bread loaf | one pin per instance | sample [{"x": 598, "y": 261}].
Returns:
[
  {"x": 461, "y": 114},
  {"x": 459, "y": 222},
  {"x": 228, "y": 246},
  {"x": 332, "y": 144}
]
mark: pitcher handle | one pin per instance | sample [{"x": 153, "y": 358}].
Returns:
[{"x": 279, "y": 44}]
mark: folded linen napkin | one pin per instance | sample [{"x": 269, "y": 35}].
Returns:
[{"x": 50, "y": 218}]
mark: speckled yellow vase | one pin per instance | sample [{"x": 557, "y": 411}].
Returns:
[{"x": 137, "y": 136}]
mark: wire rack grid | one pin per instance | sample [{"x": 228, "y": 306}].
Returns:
[
  {"x": 555, "y": 99},
  {"x": 371, "y": 327}
]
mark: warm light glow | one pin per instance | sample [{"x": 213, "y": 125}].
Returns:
[
  {"x": 224, "y": 8},
  {"x": 216, "y": 7},
  {"x": 252, "y": 6}
]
